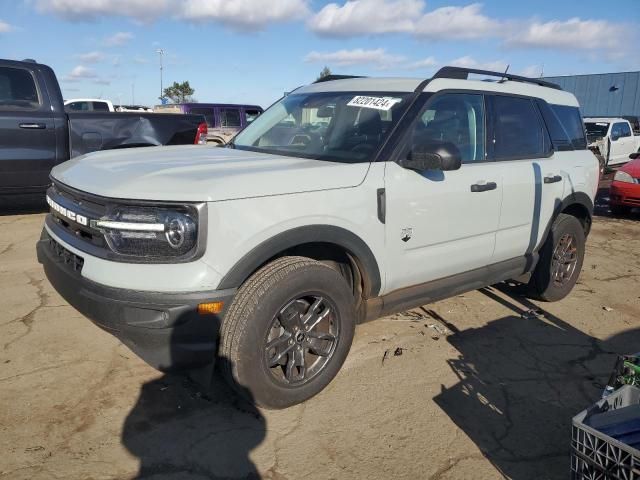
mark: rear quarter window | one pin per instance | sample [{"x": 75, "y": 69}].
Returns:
[
  {"x": 18, "y": 90},
  {"x": 572, "y": 122}
]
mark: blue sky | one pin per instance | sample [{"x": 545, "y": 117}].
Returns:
[{"x": 251, "y": 51}]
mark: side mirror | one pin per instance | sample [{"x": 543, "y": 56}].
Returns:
[
  {"x": 614, "y": 137},
  {"x": 443, "y": 156},
  {"x": 634, "y": 156}
]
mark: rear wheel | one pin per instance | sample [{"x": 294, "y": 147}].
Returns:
[
  {"x": 560, "y": 260},
  {"x": 287, "y": 332}
]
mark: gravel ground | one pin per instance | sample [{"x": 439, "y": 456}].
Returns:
[{"x": 479, "y": 387}]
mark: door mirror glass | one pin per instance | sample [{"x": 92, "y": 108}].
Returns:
[{"x": 443, "y": 156}]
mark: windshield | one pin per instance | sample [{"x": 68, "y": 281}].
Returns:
[
  {"x": 335, "y": 126},
  {"x": 596, "y": 130}
]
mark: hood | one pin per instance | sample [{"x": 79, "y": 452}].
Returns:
[
  {"x": 632, "y": 168},
  {"x": 198, "y": 173}
]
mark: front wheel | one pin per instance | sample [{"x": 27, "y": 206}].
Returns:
[
  {"x": 560, "y": 261},
  {"x": 287, "y": 332}
]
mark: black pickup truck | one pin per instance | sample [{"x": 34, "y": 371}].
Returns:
[{"x": 36, "y": 133}]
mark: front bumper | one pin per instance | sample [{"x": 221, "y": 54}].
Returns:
[
  {"x": 624, "y": 193},
  {"x": 164, "y": 329}
]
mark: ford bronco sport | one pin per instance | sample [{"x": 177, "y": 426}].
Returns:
[{"x": 345, "y": 201}]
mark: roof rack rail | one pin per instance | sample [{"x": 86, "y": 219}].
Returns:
[
  {"x": 330, "y": 78},
  {"x": 462, "y": 73}
]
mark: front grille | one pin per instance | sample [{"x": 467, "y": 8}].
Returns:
[
  {"x": 76, "y": 262},
  {"x": 82, "y": 204}
]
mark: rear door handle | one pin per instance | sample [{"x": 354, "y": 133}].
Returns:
[
  {"x": 483, "y": 187},
  {"x": 33, "y": 126},
  {"x": 553, "y": 179}
]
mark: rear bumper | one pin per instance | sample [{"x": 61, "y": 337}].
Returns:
[
  {"x": 164, "y": 329},
  {"x": 623, "y": 193}
]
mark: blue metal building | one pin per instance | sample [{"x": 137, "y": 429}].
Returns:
[{"x": 604, "y": 94}]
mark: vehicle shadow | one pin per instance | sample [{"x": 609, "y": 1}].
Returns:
[
  {"x": 521, "y": 380},
  {"x": 180, "y": 430}
]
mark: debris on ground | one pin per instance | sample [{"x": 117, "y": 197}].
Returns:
[
  {"x": 607, "y": 309},
  {"x": 532, "y": 314},
  {"x": 398, "y": 351},
  {"x": 438, "y": 328}
]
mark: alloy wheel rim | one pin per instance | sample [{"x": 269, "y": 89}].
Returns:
[
  {"x": 564, "y": 260},
  {"x": 301, "y": 340}
]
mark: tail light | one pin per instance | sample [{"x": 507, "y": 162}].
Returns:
[{"x": 201, "y": 134}]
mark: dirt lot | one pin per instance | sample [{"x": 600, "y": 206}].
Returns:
[{"x": 479, "y": 391}]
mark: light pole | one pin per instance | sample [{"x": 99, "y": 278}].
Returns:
[{"x": 160, "y": 51}]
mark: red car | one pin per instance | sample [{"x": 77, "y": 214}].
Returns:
[{"x": 624, "y": 193}]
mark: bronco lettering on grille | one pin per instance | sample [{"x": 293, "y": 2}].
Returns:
[{"x": 65, "y": 212}]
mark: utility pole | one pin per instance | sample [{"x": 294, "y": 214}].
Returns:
[{"x": 160, "y": 51}]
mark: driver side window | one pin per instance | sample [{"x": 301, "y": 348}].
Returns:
[{"x": 455, "y": 118}]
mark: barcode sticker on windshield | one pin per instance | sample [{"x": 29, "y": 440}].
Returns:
[{"x": 378, "y": 103}]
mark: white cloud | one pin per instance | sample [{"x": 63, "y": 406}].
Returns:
[
  {"x": 118, "y": 39},
  {"x": 361, "y": 17},
  {"x": 428, "y": 62},
  {"x": 356, "y": 56},
  {"x": 91, "y": 10},
  {"x": 5, "y": 27},
  {"x": 79, "y": 73},
  {"x": 572, "y": 34},
  {"x": 470, "y": 62},
  {"x": 243, "y": 13},
  {"x": 91, "y": 57},
  {"x": 236, "y": 13},
  {"x": 457, "y": 23}
]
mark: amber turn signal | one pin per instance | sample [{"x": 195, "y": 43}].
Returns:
[{"x": 210, "y": 308}]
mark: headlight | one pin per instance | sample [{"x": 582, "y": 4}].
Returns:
[
  {"x": 621, "y": 176},
  {"x": 150, "y": 232}
]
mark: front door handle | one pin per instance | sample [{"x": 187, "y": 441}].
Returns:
[
  {"x": 33, "y": 126},
  {"x": 483, "y": 187},
  {"x": 553, "y": 179}
]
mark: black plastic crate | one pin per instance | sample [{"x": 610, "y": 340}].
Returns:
[{"x": 605, "y": 438}]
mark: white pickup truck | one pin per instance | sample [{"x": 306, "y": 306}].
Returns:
[{"x": 611, "y": 139}]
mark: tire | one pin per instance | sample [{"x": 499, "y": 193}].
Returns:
[
  {"x": 620, "y": 210},
  {"x": 291, "y": 286},
  {"x": 544, "y": 285}
]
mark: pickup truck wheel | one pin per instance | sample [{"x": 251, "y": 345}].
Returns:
[
  {"x": 560, "y": 261},
  {"x": 287, "y": 332}
]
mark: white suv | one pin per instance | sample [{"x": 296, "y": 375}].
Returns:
[{"x": 347, "y": 200}]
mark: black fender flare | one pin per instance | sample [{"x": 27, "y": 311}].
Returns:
[
  {"x": 338, "y": 236},
  {"x": 575, "y": 198}
]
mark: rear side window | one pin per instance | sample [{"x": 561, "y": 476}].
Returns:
[
  {"x": 208, "y": 115},
  {"x": 100, "y": 107},
  {"x": 79, "y": 107},
  {"x": 625, "y": 130},
  {"x": 517, "y": 130},
  {"x": 229, "y": 117},
  {"x": 251, "y": 115},
  {"x": 572, "y": 123},
  {"x": 17, "y": 90}
]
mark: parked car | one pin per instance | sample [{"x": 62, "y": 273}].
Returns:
[
  {"x": 267, "y": 253},
  {"x": 133, "y": 108},
  {"x": 88, "y": 105},
  {"x": 611, "y": 139},
  {"x": 624, "y": 192},
  {"x": 223, "y": 120},
  {"x": 36, "y": 133},
  {"x": 634, "y": 120}
]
